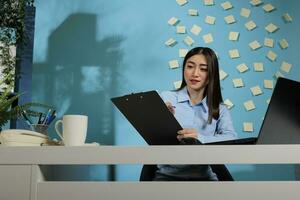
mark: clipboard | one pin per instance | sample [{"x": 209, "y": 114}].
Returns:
[{"x": 150, "y": 116}]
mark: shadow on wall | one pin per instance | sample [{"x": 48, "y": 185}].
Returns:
[{"x": 80, "y": 75}]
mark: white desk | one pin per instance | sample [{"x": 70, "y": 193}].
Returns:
[{"x": 22, "y": 178}]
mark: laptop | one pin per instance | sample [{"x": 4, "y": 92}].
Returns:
[
  {"x": 156, "y": 124},
  {"x": 281, "y": 123}
]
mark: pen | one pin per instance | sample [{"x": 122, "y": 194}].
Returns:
[
  {"x": 26, "y": 117},
  {"x": 40, "y": 118},
  {"x": 52, "y": 117},
  {"x": 47, "y": 117}
]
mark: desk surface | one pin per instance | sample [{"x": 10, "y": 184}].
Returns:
[{"x": 213, "y": 154}]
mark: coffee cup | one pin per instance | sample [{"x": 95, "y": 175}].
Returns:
[{"x": 74, "y": 129}]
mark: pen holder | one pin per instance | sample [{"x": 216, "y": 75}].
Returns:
[{"x": 40, "y": 128}]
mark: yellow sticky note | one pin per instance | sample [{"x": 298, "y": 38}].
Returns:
[
  {"x": 269, "y": 42},
  {"x": 255, "y": 2},
  {"x": 181, "y": 2},
  {"x": 222, "y": 74},
  {"x": 234, "y": 53},
  {"x": 256, "y": 90},
  {"x": 283, "y": 43},
  {"x": 170, "y": 42},
  {"x": 238, "y": 82},
  {"x": 278, "y": 74},
  {"x": 196, "y": 29},
  {"x": 254, "y": 45},
  {"x": 188, "y": 40},
  {"x": 208, "y": 38},
  {"x": 228, "y": 104},
  {"x": 247, "y": 126},
  {"x": 271, "y": 28},
  {"x": 268, "y": 7},
  {"x": 172, "y": 21},
  {"x": 286, "y": 67},
  {"x": 210, "y": 19},
  {"x": 287, "y": 18},
  {"x": 233, "y": 36},
  {"x": 271, "y": 56},
  {"x": 173, "y": 64},
  {"x": 249, "y": 105},
  {"x": 208, "y": 2},
  {"x": 193, "y": 12},
  {"x": 177, "y": 84},
  {"x": 258, "y": 67},
  {"x": 268, "y": 84},
  {"x": 245, "y": 12},
  {"x": 242, "y": 68},
  {"x": 229, "y": 19},
  {"x": 226, "y": 5},
  {"x": 182, "y": 52},
  {"x": 250, "y": 25},
  {"x": 180, "y": 29}
]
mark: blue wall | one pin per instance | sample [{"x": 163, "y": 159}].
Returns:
[{"x": 88, "y": 51}]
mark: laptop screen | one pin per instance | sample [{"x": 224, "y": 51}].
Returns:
[{"x": 282, "y": 120}]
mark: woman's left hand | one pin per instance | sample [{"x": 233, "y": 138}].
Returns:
[{"x": 187, "y": 133}]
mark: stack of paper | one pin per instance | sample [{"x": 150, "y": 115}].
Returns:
[{"x": 18, "y": 137}]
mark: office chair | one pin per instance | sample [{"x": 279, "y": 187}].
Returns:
[{"x": 148, "y": 171}]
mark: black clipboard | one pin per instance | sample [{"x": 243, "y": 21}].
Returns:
[{"x": 150, "y": 116}]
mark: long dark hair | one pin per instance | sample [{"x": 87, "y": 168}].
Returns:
[{"x": 213, "y": 88}]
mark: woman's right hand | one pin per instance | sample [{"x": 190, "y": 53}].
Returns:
[{"x": 171, "y": 107}]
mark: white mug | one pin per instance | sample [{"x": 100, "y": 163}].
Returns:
[{"x": 74, "y": 129}]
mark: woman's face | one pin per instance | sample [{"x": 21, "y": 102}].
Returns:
[{"x": 196, "y": 73}]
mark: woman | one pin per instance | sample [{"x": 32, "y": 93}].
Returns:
[{"x": 197, "y": 105}]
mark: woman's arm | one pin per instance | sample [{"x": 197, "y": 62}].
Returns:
[{"x": 224, "y": 128}]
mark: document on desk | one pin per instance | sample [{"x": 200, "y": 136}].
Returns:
[{"x": 149, "y": 115}]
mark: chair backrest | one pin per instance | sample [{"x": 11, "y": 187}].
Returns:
[{"x": 148, "y": 172}]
